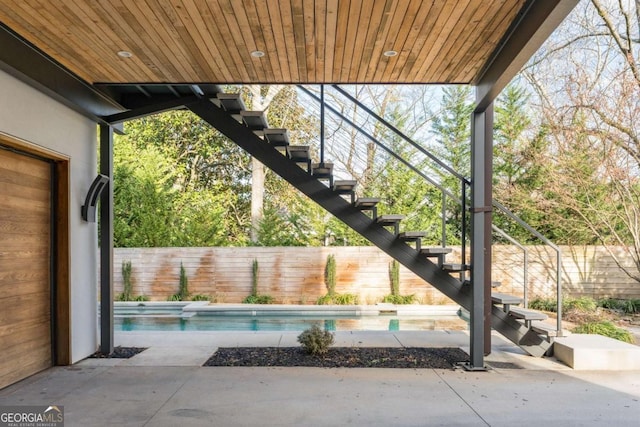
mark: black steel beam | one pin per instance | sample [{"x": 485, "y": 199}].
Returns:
[
  {"x": 24, "y": 61},
  {"x": 151, "y": 108},
  {"x": 535, "y": 23},
  {"x": 106, "y": 241},
  {"x": 332, "y": 202}
]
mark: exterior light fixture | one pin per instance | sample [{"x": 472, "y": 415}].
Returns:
[
  {"x": 88, "y": 210},
  {"x": 257, "y": 54},
  {"x": 125, "y": 54},
  {"x": 390, "y": 53}
]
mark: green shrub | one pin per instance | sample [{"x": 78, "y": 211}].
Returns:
[
  {"x": 568, "y": 303},
  {"x": 628, "y": 306},
  {"x": 394, "y": 277},
  {"x": 338, "y": 299},
  {"x": 141, "y": 298},
  {"x": 582, "y": 304},
  {"x": 126, "y": 280},
  {"x": 330, "y": 274},
  {"x": 184, "y": 284},
  {"x": 201, "y": 297},
  {"x": 604, "y": 328},
  {"x": 254, "y": 278},
  {"x": 543, "y": 304},
  {"x": 258, "y": 299},
  {"x": 315, "y": 341},
  {"x": 399, "y": 299}
]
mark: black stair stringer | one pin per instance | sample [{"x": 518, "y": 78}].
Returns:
[
  {"x": 518, "y": 333},
  {"x": 332, "y": 202}
]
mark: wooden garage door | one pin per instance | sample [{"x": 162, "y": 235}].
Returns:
[{"x": 25, "y": 260}]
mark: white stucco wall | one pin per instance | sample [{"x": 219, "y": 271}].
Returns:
[{"x": 27, "y": 114}]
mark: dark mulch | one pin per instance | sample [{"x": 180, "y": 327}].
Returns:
[
  {"x": 340, "y": 357},
  {"x": 119, "y": 353}
]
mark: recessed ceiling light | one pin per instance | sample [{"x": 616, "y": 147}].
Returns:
[
  {"x": 257, "y": 54},
  {"x": 390, "y": 53},
  {"x": 125, "y": 54}
]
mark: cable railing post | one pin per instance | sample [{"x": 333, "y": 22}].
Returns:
[
  {"x": 443, "y": 236},
  {"x": 321, "y": 123},
  {"x": 525, "y": 279},
  {"x": 559, "y": 291},
  {"x": 463, "y": 234}
]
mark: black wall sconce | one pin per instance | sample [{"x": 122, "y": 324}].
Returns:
[{"x": 88, "y": 210}]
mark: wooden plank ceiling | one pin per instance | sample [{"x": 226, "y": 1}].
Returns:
[{"x": 304, "y": 41}]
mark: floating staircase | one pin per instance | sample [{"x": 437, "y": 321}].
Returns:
[{"x": 294, "y": 163}]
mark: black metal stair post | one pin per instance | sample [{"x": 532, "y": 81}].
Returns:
[
  {"x": 481, "y": 207},
  {"x": 106, "y": 241}
]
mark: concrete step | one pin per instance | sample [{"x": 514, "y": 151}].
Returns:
[
  {"x": 300, "y": 154},
  {"x": 546, "y": 330}
]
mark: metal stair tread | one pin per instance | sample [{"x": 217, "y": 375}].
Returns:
[
  {"x": 277, "y": 137},
  {"x": 298, "y": 152},
  {"x": 526, "y": 314},
  {"x": 231, "y": 102},
  {"x": 435, "y": 251},
  {"x": 456, "y": 267},
  {"x": 544, "y": 329},
  {"x": 500, "y": 298},
  {"x": 254, "y": 120},
  {"x": 412, "y": 235},
  {"x": 391, "y": 219},
  {"x": 322, "y": 169},
  {"x": 344, "y": 186},
  {"x": 366, "y": 202}
]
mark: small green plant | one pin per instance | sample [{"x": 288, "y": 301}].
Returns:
[
  {"x": 543, "y": 304},
  {"x": 581, "y": 304},
  {"x": 338, "y": 299},
  {"x": 258, "y": 299},
  {"x": 399, "y": 299},
  {"x": 330, "y": 274},
  {"x": 394, "y": 280},
  {"x": 201, "y": 297},
  {"x": 628, "y": 306},
  {"x": 126, "y": 280},
  {"x": 255, "y": 298},
  {"x": 604, "y": 328},
  {"x": 315, "y": 340},
  {"x": 141, "y": 298},
  {"x": 183, "y": 291},
  {"x": 394, "y": 277},
  {"x": 254, "y": 278}
]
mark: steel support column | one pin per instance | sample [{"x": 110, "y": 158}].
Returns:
[
  {"x": 106, "y": 241},
  {"x": 481, "y": 205}
]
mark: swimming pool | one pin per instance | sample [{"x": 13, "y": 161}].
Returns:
[{"x": 234, "y": 317}]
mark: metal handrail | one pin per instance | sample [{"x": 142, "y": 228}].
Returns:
[
  {"x": 525, "y": 263},
  {"x": 445, "y": 193}
]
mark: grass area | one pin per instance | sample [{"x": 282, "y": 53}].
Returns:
[{"x": 593, "y": 316}]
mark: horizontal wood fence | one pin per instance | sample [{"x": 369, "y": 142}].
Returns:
[{"x": 296, "y": 274}]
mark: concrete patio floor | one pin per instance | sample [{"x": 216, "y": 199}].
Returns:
[{"x": 166, "y": 386}]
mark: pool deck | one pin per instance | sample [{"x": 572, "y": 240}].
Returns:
[{"x": 166, "y": 386}]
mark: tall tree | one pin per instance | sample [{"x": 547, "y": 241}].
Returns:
[{"x": 587, "y": 85}]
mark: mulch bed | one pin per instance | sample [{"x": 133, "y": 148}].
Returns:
[
  {"x": 119, "y": 353},
  {"x": 340, "y": 357}
]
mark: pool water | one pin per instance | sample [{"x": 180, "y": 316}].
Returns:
[{"x": 164, "y": 322}]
